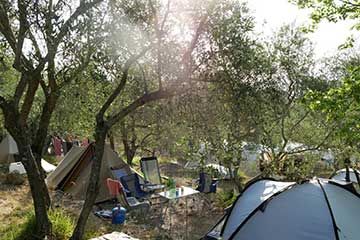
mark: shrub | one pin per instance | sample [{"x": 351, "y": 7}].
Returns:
[
  {"x": 14, "y": 178},
  {"x": 62, "y": 224},
  {"x": 225, "y": 198}
]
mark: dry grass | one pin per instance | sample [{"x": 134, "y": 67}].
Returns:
[{"x": 16, "y": 208}]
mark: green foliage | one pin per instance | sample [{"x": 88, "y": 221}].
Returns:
[
  {"x": 225, "y": 198},
  {"x": 342, "y": 106},
  {"x": 62, "y": 226},
  {"x": 170, "y": 183},
  {"x": 332, "y": 10},
  {"x": 14, "y": 178}
]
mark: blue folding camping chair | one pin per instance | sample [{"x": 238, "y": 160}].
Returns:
[{"x": 132, "y": 186}]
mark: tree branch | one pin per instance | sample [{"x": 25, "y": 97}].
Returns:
[
  {"x": 83, "y": 8},
  {"x": 350, "y": 3},
  {"x": 5, "y": 26},
  {"x": 142, "y": 142},
  {"x": 165, "y": 16},
  {"x": 122, "y": 83},
  {"x": 36, "y": 45},
  {"x": 20, "y": 88},
  {"x": 22, "y": 31},
  {"x": 146, "y": 98},
  {"x": 317, "y": 147},
  {"x": 299, "y": 121},
  {"x": 33, "y": 85}
]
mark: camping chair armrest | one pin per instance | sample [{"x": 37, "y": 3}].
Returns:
[{"x": 127, "y": 192}]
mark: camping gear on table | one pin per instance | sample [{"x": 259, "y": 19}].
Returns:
[
  {"x": 206, "y": 183},
  {"x": 118, "y": 215},
  {"x": 132, "y": 186},
  {"x": 73, "y": 172},
  {"x": 318, "y": 209}
]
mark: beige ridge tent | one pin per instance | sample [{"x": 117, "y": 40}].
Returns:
[
  {"x": 72, "y": 174},
  {"x": 8, "y": 149}
]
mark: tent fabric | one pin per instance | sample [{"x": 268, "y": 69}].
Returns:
[
  {"x": 314, "y": 210},
  {"x": 346, "y": 209},
  {"x": 256, "y": 193},
  {"x": 72, "y": 174},
  {"x": 19, "y": 167},
  {"x": 48, "y": 167},
  {"x": 289, "y": 213},
  {"x": 8, "y": 149},
  {"x": 64, "y": 167},
  {"x": 341, "y": 175}
]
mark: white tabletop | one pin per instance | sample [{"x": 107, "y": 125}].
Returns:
[{"x": 178, "y": 192}]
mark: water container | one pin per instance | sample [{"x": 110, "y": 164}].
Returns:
[{"x": 118, "y": 215}]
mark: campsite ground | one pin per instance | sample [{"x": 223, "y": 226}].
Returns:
[{"x": 203, "y": 211}]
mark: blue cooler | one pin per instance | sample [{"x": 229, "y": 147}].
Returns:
[{"x": 118, "y": 215}]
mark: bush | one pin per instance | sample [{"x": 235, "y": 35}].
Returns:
[
  {"x": 225, "y": 198},
  {"x": 62, "y": 226},
  {"x": 14, "y": 178}
]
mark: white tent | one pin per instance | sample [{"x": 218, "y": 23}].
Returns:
[
  {"x": 340, "y": 175},
  {"x": 19, "y": 167},
  {"x": 8, "y": 149},
  {"x": 314, "y": 210}
]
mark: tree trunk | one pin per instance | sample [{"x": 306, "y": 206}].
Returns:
[
  {"x": 129, "y": 152},
  {"x": 93, "y": 187},
  {"x": 112, "y": 140},
  {"x": 38, "y": 187},
  {"x": 237, "y": 180},
  {"x": 39, "y": 193}
]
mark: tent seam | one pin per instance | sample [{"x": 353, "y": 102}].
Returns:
[
  {"x": 258, "y": 208},
  {"x": 248, "y": 185},
  {"x": 330, "y": 210}
]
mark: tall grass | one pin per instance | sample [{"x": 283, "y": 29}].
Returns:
[{"x": 23, "y": 228}]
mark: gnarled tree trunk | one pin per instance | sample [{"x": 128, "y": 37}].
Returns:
[
  {"x": 37, "y": 184},
  {"x": 94, "y": 181}
]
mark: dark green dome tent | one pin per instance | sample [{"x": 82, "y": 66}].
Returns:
[{"x": 318, "y": 209}]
